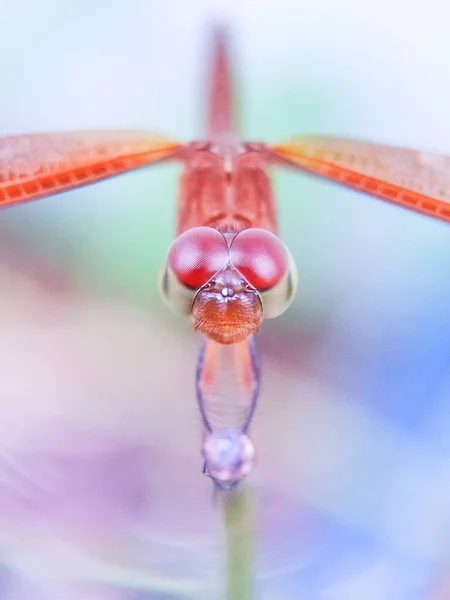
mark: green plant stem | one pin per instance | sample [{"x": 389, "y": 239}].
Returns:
[{"x": 239, "y": 532}]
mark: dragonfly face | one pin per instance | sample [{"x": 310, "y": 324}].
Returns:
[
  {"x": 227, "y": 281},
  {"x": 227, "y": 309}
]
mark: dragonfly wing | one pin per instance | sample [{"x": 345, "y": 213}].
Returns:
[
  {"x": 37, "y": 165},
  {"x": 416, "y": 180}
]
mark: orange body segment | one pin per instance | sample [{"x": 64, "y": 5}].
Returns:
[{"x": 227, "y": 192}]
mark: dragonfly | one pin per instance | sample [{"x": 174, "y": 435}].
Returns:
[{"x": 227, "y": 268}]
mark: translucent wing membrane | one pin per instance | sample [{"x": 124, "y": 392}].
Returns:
[
  {"x": 38, "y": 165},
  {"x": 416, "y": 180}
]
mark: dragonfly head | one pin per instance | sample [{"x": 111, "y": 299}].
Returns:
[
  {"x": 227, "y": 309},
  {"x": 229, "y": 282},
  {"x": 228, "y": 456}
]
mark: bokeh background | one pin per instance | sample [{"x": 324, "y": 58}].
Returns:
[{"x": 101, "y": 495}]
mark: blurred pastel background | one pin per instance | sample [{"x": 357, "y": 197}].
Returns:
[{"x": 101, "y": 495}]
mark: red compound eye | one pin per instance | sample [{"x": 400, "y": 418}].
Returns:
[
  {"x": 196, "y": 255},
  {"x": 260, "y": 256}
]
